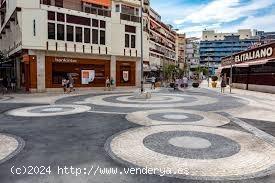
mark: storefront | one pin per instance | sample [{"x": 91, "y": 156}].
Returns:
[
  {"x": 253, "y": 69},
  {"x": 86, "y": 72},
  {"x": 125, "y": 73}
]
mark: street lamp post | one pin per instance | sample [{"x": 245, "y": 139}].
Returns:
[
  {"x": 231, "y": 68},
  {"x": 208, "y": 75},
  {"x": 141, "y": 48}
]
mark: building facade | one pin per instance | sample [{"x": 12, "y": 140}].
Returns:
[
  {"x": 264, "y": 37},
  {"x": 181, "y": 50},
  {"x": 162, "y": 43},
  {"x": 89, "y": 39},
  {"x": 214, "y": 47},
  {"x": 253, "y": 69},
  {"x": 192, "y": 52}
]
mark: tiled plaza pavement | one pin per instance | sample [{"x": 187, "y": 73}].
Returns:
[{"x": 192, "y": 130}]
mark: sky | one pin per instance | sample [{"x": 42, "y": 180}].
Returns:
[{"x": 193, "y": 16}]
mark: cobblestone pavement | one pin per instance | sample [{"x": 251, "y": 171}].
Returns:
[{"x": 191, "y": 136}]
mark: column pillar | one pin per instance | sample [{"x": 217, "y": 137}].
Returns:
[
  {"x": 113, "y": 68},
  {"x": 18, "y": 72},
  {"x": 138, "y": 73}
]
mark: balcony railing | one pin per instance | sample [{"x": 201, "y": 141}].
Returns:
[
  {"x": 131, "y": 18},
  {"x": 97, "y": 11}
]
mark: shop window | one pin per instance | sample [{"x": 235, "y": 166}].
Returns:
[
  {"x": 51, "y": 31},
  {"x": 70, "y": 33},
  {"x": 78, "y": 34},
  {"x": 60, "y": 32},
  {"x": 78, "y": 20},
  {"x": 102, "y": 24},
  {"x": 95, "y": 23},
  {"x": 60, "y": 17},
  {"x": 51, "y": 15},
  {"x": 59, "y": 3},
  {"x": 87, "y": 35},
  {"x": 95, "y": 36},
  {"x": 133, "y": 41},
  {"x": 102, "y": 37}
]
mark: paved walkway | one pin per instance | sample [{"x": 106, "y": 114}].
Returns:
[
  {"x": 260, "y": 105},
  {"x": 194, "y": 136}
]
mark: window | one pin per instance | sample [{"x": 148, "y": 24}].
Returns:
[
  {"x": 95, "y": 23},
  {"x": 51, "y": 31},
  {"x": 102, "y": 37},
  {"x": 78, "y": 20},
  {"x": 117, "y": 8},
  {"x": 47, "y": 2},
  {"x": 130, "y": 36},
  {"x": 51, "y": 15},
  {"x": 133, "y": 41},
  {"x": 130, "y": 29},
  {"x": 78, "y": 34},
  {"x": 95, "y": 36},
  {"x": 70, "y": 33},
  {"x": 60, "y": 17},
  {"x": 102, "y": 24},
  {"x": 60, "y": 32},
  {"x": 87, "y": 35},
  {"x": 59, "y": 3},
  {"x": 127, "y": 40}
]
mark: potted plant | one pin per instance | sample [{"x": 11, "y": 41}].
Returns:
[{"x": 214, "y": 81}]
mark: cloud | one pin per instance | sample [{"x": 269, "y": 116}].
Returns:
[
  {"x": 193, "y": 16},
  {"x": 225, "y": 11}
]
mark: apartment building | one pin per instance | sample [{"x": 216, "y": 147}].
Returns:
[
  {"x": 162, "y": 43},
  {"x": 215, "y": 46},
  {"x": 47, "y": 40},
  {"x": 192, "y": 55},
  {"x": 211, "y": 35},
  {"x": 181, "y": 50}
]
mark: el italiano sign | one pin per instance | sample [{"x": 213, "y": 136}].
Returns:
[
  {"x": 260, "y": 53},
  {"x": 253, "y": 55}
]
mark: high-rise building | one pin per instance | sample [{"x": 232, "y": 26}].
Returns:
[
  {"x": 162, "y": 43},
  {"x": 215, "y": 46}
]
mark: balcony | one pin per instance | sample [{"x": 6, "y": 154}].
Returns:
[
  {"x": 130, "y": 18},
  {"x": 97, "y": 11}
]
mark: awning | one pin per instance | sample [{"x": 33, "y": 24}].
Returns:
[
  {"x": 258, "y": 62},
  {"x": 99, "y": 2}
]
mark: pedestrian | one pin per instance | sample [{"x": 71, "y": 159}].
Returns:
[
  {"x": 176, "y": 84},
  {"x": 112, "y": 83},
  {"x": 107, "y": 84},
  {"x": 64, "y": 84},
  {"x": 185, "y": 82},
  {"x": 71, "y": 83},
  {"x": 153, "y": 83},
  {"x": 13, "y": 83},
  {"x": 223, "y": 83}
]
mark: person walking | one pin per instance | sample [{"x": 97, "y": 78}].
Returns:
[
  {"x": 112, "y": 83},
  {"x": 71, "y": 83},
  {"x": 64, "y": 84},
  {"x": 107, "y": 84},
  {"x": 223, "y": 83},
  {"x": 185, "y": 82},
  {"x": 153, "y": 83},
  {"x": 13, "y": 83}
]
